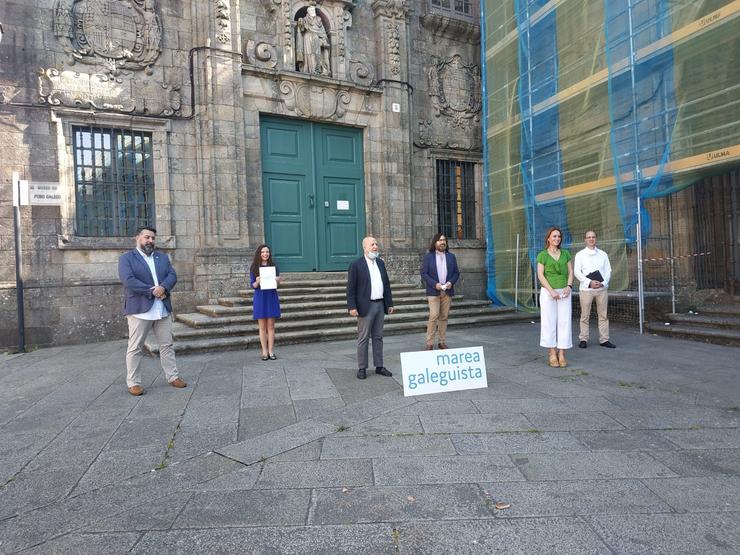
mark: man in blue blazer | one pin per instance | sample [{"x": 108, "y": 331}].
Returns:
[
  {"x": 148, "y": 277},
  {"x": 369, "y": 299},
  {"x": 440, "y": 273}
]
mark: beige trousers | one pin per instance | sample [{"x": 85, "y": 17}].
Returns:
[
  {"x": 439, "y": 310},
  {"x": 601, "y": 297},
  {"x": 138, "y": 330}
]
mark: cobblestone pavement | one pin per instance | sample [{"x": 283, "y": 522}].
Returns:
[{"x": 627, "y": 450}]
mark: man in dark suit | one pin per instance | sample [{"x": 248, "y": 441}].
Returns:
[
  {"x": 369, "y": 299},
  {"x": 440, "y": 273},
  {"x": 148, "y": 277}
]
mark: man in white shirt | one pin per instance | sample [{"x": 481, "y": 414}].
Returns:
[
  {"x": 369, "y": 299},
  {"x": 592, "y": 270},
  {"x": 148, "y": 277}
]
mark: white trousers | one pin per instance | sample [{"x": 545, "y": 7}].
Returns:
[{"x": 556, "y": 329}]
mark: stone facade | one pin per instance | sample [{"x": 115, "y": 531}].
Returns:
[{"x": 197, "y": 75}]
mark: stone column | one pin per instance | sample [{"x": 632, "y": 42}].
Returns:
[
  {"x": 220, "y": 145},
  {"x": 390, "y": 194}
]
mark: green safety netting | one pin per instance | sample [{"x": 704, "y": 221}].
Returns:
[{"x": 593, "y": 108}]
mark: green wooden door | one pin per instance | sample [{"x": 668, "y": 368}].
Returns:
[{"x": 312, "y": 179}]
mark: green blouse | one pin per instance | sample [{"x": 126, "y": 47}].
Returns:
[{"x": 556, "y": 271}]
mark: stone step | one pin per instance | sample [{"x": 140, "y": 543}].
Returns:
[
  {"x": 305, "y": 295},
  {"x": 730, "y": 310},
  {"x": 251, "y": 341},
  {"x": 718, "y": 336},
  {"x": 713, "y": 321},
  {"x": 211, "y": 315},
  {"x": 181, "y": 330}
]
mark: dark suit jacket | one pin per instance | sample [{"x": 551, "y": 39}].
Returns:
[
  {"x": 430, "y": 277},
  {"x": 138, "y": 283},
  {"x": 358, "y": 286}
]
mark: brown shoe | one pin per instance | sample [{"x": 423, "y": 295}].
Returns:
[
  {"x": 178, "y": 383},
  {"x": 442, "y": 345},
  {"x": 561, "y": 360},
  {"x": 430, "y": 347},
  {"x": 136, "y": 390}
]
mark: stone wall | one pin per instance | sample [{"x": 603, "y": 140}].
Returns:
[{"x": 197, "y": 75}]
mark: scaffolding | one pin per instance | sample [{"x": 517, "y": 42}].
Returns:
[{"x": 621, "y": 116}]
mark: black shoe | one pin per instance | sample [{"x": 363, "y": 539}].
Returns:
[
  {"x": 272, "y": 356},
  {"x": 383, "y": 371},
  {"x": 361, "y": 373},
  {"x": 608, "y": 345},
  {"x": 583, "y": 344}
]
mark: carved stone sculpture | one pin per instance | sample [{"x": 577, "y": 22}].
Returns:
[
  {"x": 312, "y": 44},
  {"x": 313, "y": 101},
  {"x": 118, "y": 34},
  {"x": 454, "y": 87}
]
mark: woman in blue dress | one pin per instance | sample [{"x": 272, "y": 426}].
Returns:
[{"x": 266, "y": 302}]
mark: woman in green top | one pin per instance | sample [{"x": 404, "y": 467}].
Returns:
[{"x": 555, "y": 272}]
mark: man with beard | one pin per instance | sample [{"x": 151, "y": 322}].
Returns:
[
  {"x": 440, "y": 273},
  {"x": 148, "y": 277}
]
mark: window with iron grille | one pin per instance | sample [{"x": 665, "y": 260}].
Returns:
[
  {"x": 114, "y": 181},
  {"x": 455, "y": 8},
  {"x": 456, "y": 198}
]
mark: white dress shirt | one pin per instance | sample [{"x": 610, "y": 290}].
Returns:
[
  {"x": 376, "y": 281},
  {"x": 590, "y": 260},
  {"x": 157, "y": 311}
]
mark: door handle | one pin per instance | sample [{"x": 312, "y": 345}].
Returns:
[{"x": 310, "y": 201}]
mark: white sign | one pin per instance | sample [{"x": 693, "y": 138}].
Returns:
[
  {"x": 443, "y": 370},
  {"x": 396, "y": 107},
  {"x": 342, "y": 205},
  {"x": 20, "y": 186},
  {"x": 268, "y": 277},
  {"x": 45, "y": 192}
]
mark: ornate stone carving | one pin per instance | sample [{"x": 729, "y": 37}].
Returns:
[
  {"x": 119, "y": 34},
  {"x": 223, "y": 21},
  {"x": 455, "y": 90},
  {"x": 312, "y": 47},
  {"x": 105, "y": 92},
  {"x": 261, "y": 54},
  {"x": 361, "y": 73},
  {"x": 396, "y": 9},
  {"x": 314, "y": 101},
  {"x": 393, "y": 40},
  {"x": 460, "y": 30},
  {"x": 428, "y": 137}
]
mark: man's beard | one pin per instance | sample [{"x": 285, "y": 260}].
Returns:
[{"x": 148, "y": 249}]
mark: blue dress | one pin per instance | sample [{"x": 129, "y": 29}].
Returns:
[{"x": 266, "y": 303}]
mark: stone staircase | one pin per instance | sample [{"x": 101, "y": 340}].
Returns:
[
  {"x": 314, "y": 308},
  {"x": 712, "y": 323}
]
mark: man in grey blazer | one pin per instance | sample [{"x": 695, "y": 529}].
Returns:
[{"x": 148, "y": 277}]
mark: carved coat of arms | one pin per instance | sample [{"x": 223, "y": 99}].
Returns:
[
  {"x": 120, "y": 34},
  {"x": 455, "y": 90}
]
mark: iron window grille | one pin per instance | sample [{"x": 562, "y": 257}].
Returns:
[
  {"x": 114, "y": 181},
  {"x": 456, "y": 198}
]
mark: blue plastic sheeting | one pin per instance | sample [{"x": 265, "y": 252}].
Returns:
[
  {"x": 642, "y": 105},
  {"x": 490, "y": 257},
  {"x": 540, "y": 149}
]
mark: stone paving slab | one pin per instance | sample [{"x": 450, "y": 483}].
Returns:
[
  {"x": 223, "y": 509},
  {"x": 727, "y": 438},
  {"x": 385, "y": 425},
  {"x": 624, "y": 440},
  {"x": 158, "y": 516},
  {"x": 256, "y": 421},
  {"x": 474, "y": 423},
  {"x": 701, "y": 462},
  {"x": 261, "y": 447},
  {"x": 427, "y": 407},
  {"x": 394, "y": 471},
  {"x": 386, "y": 446},
  {"x": 698, "y": 495},
  {"x": 315, "y": 474},
  {"x": 574, "y": 498},
  {"x": 684, "y": 417},
  {"x": 590, "y": 466},
  {"x": 74, "y": 544},
  {"x": 112, "y": 466},
  {"x": 530, "y": 442},
  {"x": 463, "y": 537},
  {"x": 398, "y": 504},
  {"x": 668, "y": 534},
  {"x": 294, "y": 540},
  {"x": 573, "y": 422}
]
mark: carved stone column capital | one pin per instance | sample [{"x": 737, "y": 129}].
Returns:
[{"x": 396, "y": 9}]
